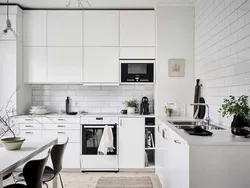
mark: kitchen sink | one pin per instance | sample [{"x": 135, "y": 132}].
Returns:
[{"x": 193, "y": 124}]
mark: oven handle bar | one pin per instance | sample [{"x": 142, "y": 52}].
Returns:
[{"x": 86, "y": 127}]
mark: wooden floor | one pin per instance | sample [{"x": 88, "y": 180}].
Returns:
[{"x": 89, "y": 180}]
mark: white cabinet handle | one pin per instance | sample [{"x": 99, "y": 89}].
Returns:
[
  {"x": 29, "y": 133},
  {"x": 121, "y": 122},
  {"x": 28, "y": 119},
  {"x": 177, "y": 141},
  {"x": 61, "y": 120},
  {"x": 61, "y": 132},
  {"x": 159, "y": 128},
  {"x": 164, "y": 133},
  {"x": 28, "y": 125},
  {"x": 61, "y": 126}
]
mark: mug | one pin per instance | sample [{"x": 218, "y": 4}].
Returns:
[{"x": 124, "y": 111}]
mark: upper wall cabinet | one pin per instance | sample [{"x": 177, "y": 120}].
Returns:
[
  {"x": 34, "y": 28},
  {"x": 101, "y": 65},
  {"x": 64, "y": 28},
  {"x": 64, "y": 64},
  {"x": 137, "y": 28},
  {"x": 101, "y": 28}
]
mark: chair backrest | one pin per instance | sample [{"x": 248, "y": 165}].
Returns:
[
  {"x": 33, "y": 172},
  {"x": 57, "y": 153}
]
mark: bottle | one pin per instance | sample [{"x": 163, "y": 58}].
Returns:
[{"x": 67, "y": 105}]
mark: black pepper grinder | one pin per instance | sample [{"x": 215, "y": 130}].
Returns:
[{"x": 67, "y": 105}]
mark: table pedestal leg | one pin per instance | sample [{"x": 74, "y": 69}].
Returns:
[
  {"x": 54, "y": 182},
  {"x": 1, "y": 181}
]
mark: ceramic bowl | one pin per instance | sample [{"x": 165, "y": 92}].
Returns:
[{"x": 13, "y": 143}]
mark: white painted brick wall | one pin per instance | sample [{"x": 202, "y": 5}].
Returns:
[
  {"x": 222, "y": 50},
  {"x": 93, "y": 99}
]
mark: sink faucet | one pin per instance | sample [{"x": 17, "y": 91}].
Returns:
[{"x": 208, "y": 119}]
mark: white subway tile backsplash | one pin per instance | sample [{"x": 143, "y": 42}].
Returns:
[
  {"x": 91, "y": 98},
  {"x": 222, "y": 50}
]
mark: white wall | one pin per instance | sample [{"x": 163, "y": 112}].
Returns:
[
  {"x": 175, "y": 39},
  {"x": 222, "y": 50},
  {"x": 93, "y": 99}
]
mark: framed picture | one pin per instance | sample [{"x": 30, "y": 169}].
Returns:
[{"x": 176, "y": 67}]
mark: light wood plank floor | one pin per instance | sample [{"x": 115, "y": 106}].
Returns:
[{"x": 89, "y": 180}]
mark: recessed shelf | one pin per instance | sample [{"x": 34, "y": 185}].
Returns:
[
  {"x": 149, "y": 126},
  {"x": 150, "y": 148}
]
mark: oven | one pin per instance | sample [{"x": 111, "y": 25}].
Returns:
[
  {"x": 91, "y": 133},
  {"x": 137, "y": 70}
]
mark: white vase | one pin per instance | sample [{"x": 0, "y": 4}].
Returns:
[{"x": 131, "y": 110}]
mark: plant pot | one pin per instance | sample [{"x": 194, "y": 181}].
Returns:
[
  {"x": 131, "y": 110},
  {"x": 12, "y": 143},
  {"x": 237, "y": 126}
]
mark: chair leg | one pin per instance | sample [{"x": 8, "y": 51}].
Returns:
[
  {"x": 61, "y": 180},
  {"x": 46, "y": 185}
]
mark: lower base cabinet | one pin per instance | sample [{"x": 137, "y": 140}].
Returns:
[{"x": 71, "y": 158}]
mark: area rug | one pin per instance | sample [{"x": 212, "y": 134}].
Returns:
[{"x": 124, "y": 182}]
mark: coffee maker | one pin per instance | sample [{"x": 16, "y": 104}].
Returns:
[{"x": 144, "y": 110}]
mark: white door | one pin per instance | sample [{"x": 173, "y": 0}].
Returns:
[
  {"x": 9, "y": 35},
  {"x": 178, "y": 162},
  {"x": 64, "y": 28},
  {"x": 34, "y": 64},
  {"x": 131, "y": 143},
  {"x": 64, "y": 64},
  {"x": 101, "y": 64},
  {"x": 101, "y": 28},
  {"x": 71, "y": 158},
  {"x": 137, "y": 28},
  {"x": 34, "y": 28}
]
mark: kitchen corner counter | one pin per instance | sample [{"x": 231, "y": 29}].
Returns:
[{"x": 219, "y": 137}]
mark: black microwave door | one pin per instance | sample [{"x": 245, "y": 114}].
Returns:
[{"x": 137, "y": 72}]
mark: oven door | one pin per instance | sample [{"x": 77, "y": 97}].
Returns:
[{"x": 91, "y": 137}]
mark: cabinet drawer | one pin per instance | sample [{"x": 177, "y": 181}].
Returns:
[
  {"x": 33, "y": 135},
  {"x": 62, "y": 126},
  {"x": 74, "y": 135},
  {"x": 174, "y": 137},
  {"x": 30, "y": 126},
  {"x": 29, "y": 120},
  {"x": 61, "y": 120}
]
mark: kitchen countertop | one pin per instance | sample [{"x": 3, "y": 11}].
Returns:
[
  {"x": 219, "y": 137},
  {"x": 89, "y": 115}
]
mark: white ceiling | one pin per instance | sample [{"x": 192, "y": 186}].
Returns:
[{"x": 94, "y": 3}]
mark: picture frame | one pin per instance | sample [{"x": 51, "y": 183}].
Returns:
[{"x": 176, "y": 67}]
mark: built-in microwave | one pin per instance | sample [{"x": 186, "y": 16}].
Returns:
[{"x": 137, "y": 70}]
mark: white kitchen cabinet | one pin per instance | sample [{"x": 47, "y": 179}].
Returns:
[
  {"x": 31, "y": 135},
  {"x": 101, "y": 28},
  {"x": 64, "y": 28},
  {"x": 137, "y": 52},
  {"x": 178, "y": 162},
  {"x": 131, "y": 143},
  {"x": 137, "y": 28},
  {"x": 71, "y": 158},
  {"x": 64, "y": 64},
  {"x": 101, "y": 65},
  {"x": 34, "y": 64},
  {"x": 34, "y": 28}
]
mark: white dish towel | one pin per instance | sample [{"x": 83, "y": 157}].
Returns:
[{"x": 106, "y": 143}]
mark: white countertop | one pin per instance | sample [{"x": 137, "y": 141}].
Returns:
[
  {"x": 219, "y": 137},
  {"x": 88, "y": 115}
]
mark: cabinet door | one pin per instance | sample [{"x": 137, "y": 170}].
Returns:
[
  {"x": 101, "y": 64},
  {"x": 64, "y": 28},
  {"x": 71, "y": 158},
  {"x": 101, "y": 28},
  {"x": 34, "y": 28},
  {"x": 137, "y": 28},
  {"x": 178, "y": 162},
  {"x": 10, "y": 35},
  {"x": 64, "y": 64},
  {"x": 131, "y": 143},
  {"x": 34, "y": 64}
]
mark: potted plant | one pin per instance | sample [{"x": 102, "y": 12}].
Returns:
[
  {"x": 6, "y": 125},
  {"x": 239, "y": 109},
  {"x": 131, "y": 106},
  {"x": 168, "y": 111}
]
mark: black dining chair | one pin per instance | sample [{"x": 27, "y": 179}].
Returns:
[
  {"x": 7, "y": 176},
  {"x": 57, "y": 153},
  {"x": 32, "y": 173}
]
